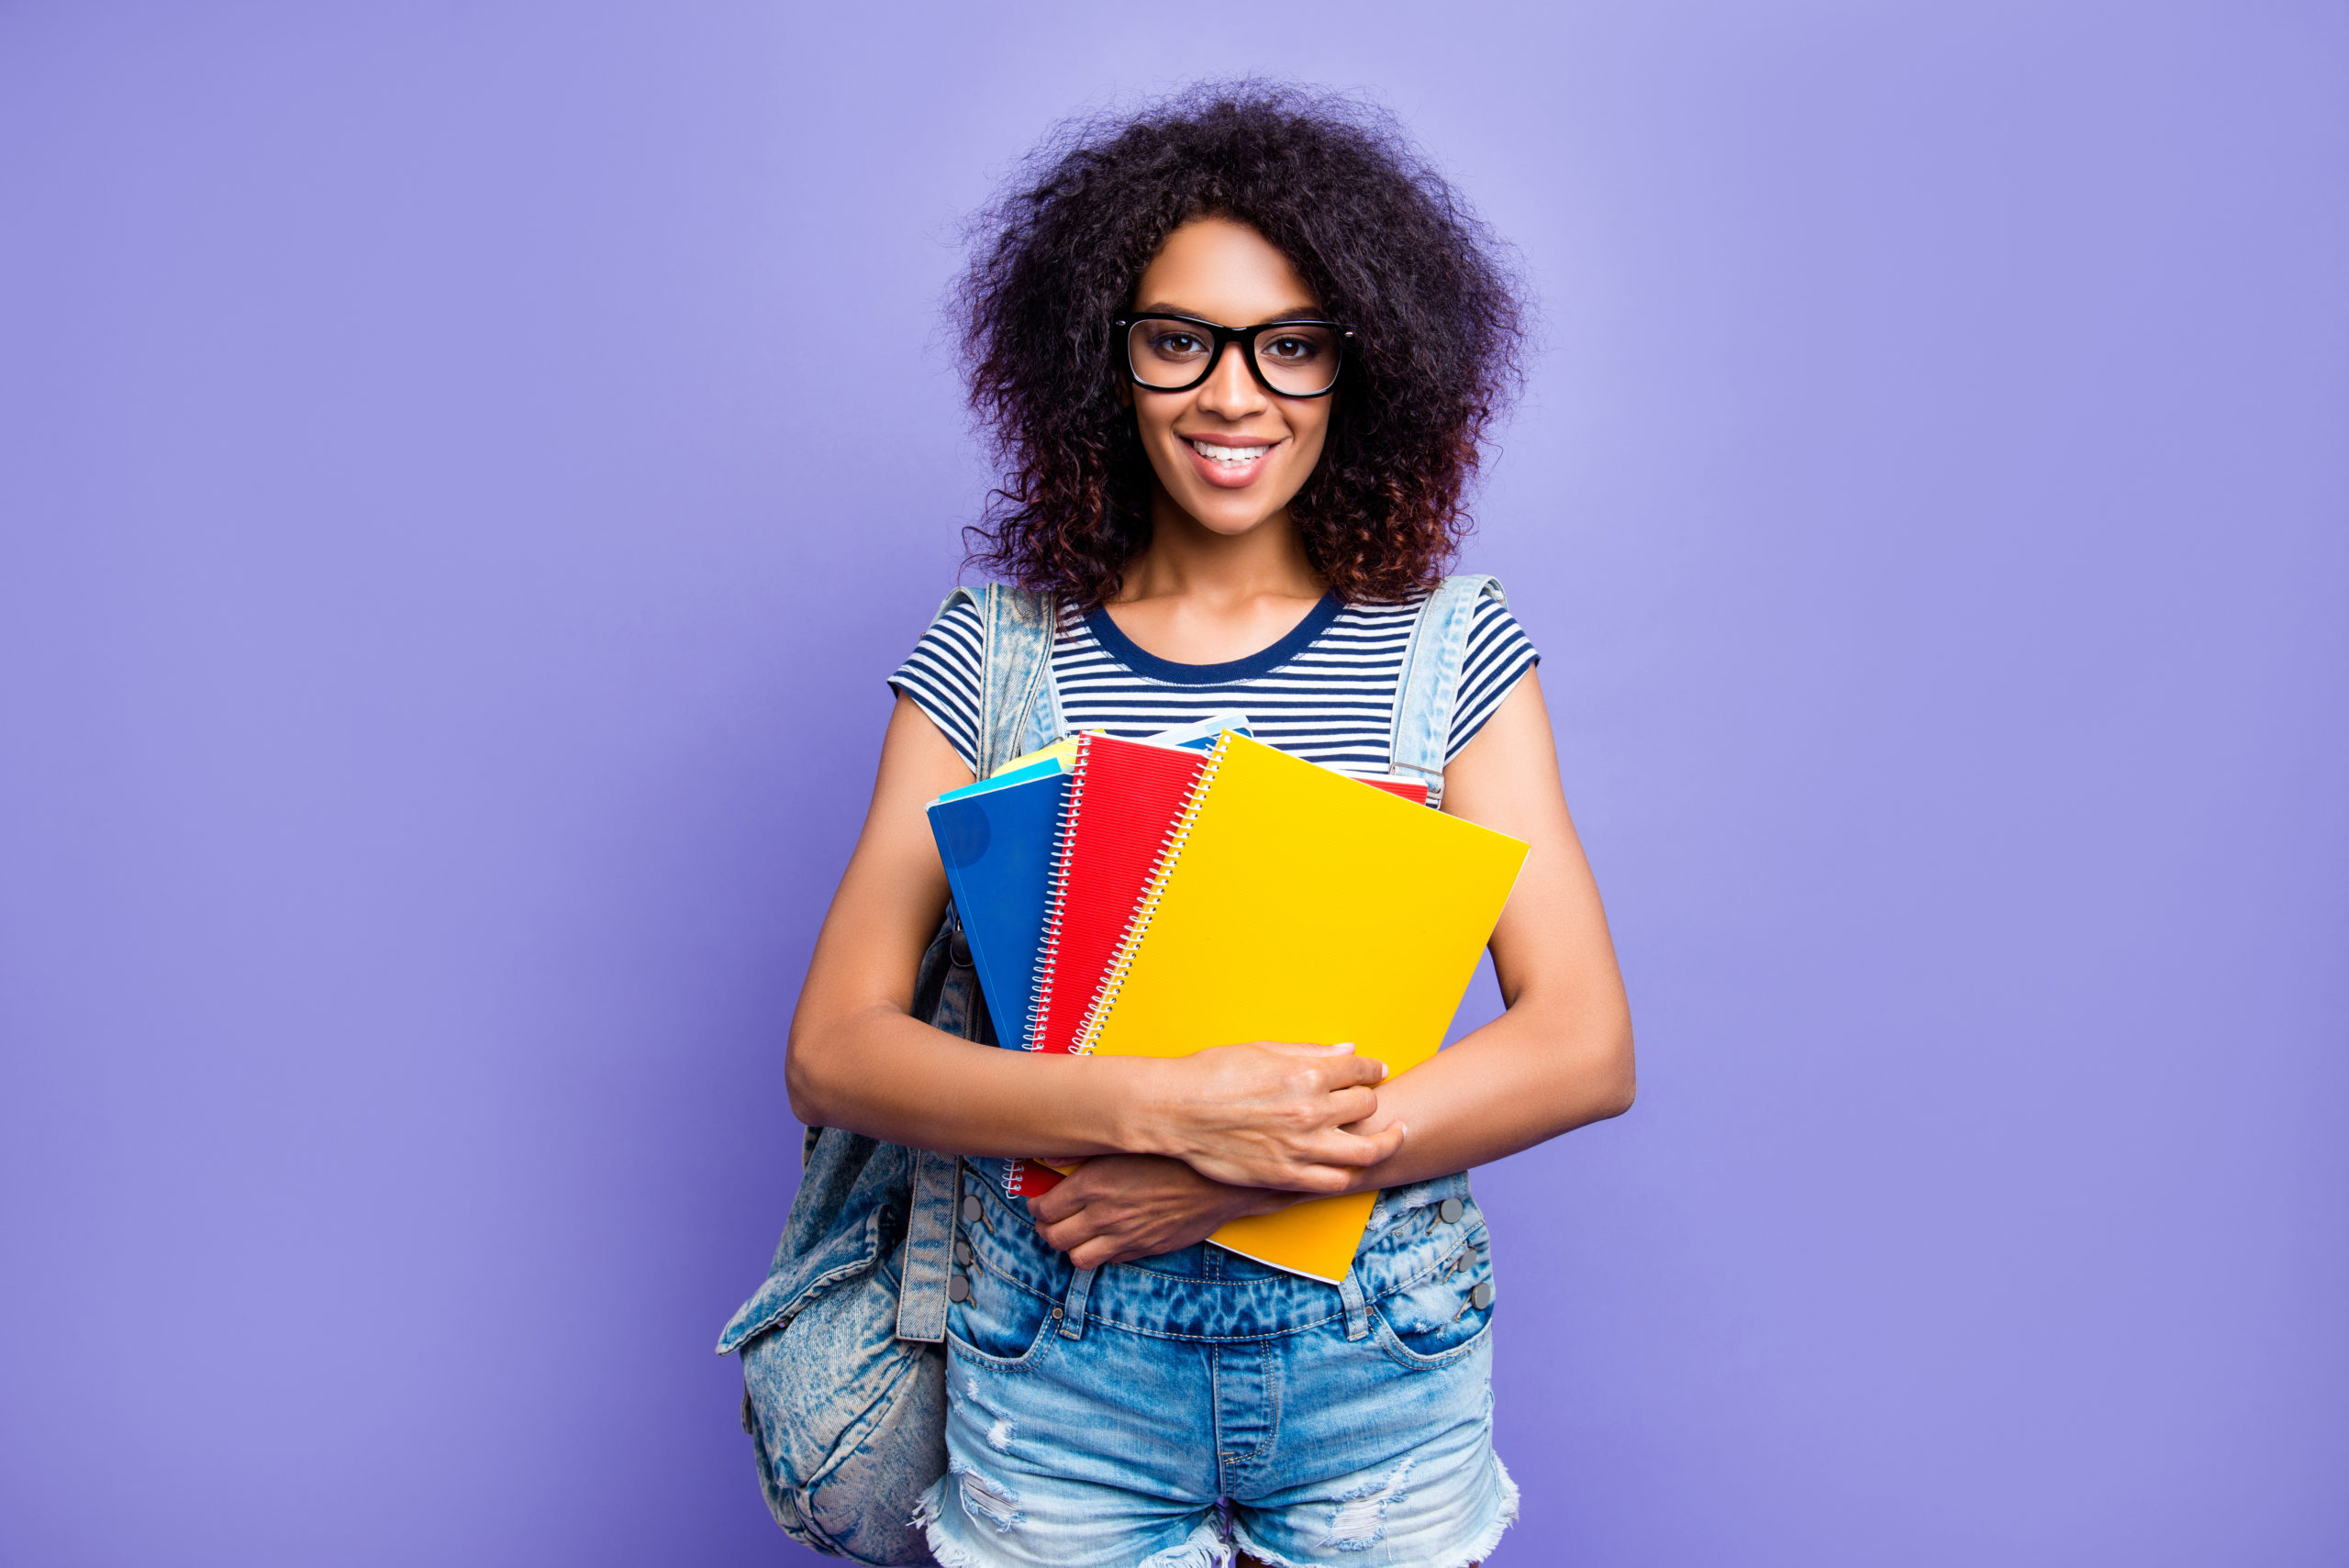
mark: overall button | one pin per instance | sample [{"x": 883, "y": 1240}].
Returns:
[
  {"x": 973, "y": 1209},
  {"x": 1450, "y": 1211},
  {"x": 1482, "y": 1296},
  {"x": 962, "y": 1253},
  {"x": 959, "y": 1289}
]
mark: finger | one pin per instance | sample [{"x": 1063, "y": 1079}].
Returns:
[
  {"x": 1325, "y": 1180},
  {"x": 1096, "y": 1252},
  {"x": 1070, "y": 1233},
  {"x": 1349, "y": 1072},
  {"x": 1385, "y": 1143},
  {"x": 1052, "y": 1207},
  {"x": 1349, "y": 1106},
  {"x": 1302, "y": 1048},
  {"x": 1356, "y": 1149}
]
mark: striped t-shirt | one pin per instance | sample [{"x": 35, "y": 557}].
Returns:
[{"x": 1325, "y": 692}]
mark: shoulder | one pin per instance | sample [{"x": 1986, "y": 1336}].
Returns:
[
  {"x": 942, "y": 674},
  {"x": 954, "y": 645},
  {"x": 1496, "y": 657},
  {"x": 1494, "y": 632}
]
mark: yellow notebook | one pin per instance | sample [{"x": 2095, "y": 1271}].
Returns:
[{"x": 1294, "y": 903}]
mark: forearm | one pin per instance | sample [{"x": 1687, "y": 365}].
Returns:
[
  {"x": 878, "y": 1072},
  {"x": 1526, "y": 1078},
  {"x": 1529, "y": 1076}
]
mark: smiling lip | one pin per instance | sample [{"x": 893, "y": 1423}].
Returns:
[{"x": 1229, "y": 461}]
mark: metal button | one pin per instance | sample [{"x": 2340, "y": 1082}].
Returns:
[
  {"x": 1482, "y": 1296},
  {"x": 973, "y": 1211},
  {"x": 957, "y": 1289},
  {"x": 964, "y": 1253},
  {"x": 1450, "y": 1210},
  {"x": 1056, "y": 1314}
]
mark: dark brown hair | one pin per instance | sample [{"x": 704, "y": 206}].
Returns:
[{"x": 1382, "y": 241}]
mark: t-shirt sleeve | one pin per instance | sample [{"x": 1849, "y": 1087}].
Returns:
[
  {"x": 941, "y": 674},
  {"x": 1500, "y": 653}
]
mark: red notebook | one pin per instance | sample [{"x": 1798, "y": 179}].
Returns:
[
  {"x": 1125, "y": 799},
  {"x": 1411, "y": 790}
]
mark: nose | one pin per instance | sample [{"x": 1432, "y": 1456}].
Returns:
[{"x": 1230, "y": 390}]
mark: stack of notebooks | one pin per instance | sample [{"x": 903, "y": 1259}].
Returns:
[{"x": 1157, "y": 897}]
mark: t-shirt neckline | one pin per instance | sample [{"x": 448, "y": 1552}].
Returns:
[{"x": 1261, "y": 663}]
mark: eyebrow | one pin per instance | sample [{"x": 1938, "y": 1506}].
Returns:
[{"x": 1287, "y": 313}]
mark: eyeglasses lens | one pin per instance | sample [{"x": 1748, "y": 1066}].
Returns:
[{"x": 1298, "y": 360}]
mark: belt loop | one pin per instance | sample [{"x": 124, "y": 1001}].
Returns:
[
  {"x": 1357, "y": 1312},
  {"x": 1080, "y": 1286}
]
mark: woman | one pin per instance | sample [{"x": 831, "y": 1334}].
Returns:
[{"x": 1238, "y": 353}]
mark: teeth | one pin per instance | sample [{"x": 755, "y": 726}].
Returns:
[{"x": 1235, "y": 456}]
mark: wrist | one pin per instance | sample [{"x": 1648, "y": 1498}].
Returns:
[
  {"x": 1135, "y": 1108},
  {"x": 1248, "y": 1202}
]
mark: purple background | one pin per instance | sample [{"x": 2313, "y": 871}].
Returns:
[{"x": 466, "y": 471}]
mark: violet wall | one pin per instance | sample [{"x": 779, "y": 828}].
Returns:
[{"x": 466, "y": 471}]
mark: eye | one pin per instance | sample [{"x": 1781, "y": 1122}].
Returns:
[
  {"x": 1293, "y": 350},
  {"x": 1174, "y": 343}
]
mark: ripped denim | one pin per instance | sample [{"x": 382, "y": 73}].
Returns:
[{"x": 1169, "y": 1412}]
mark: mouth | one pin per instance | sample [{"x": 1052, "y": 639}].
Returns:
[{"x": 1229, "y": 461}]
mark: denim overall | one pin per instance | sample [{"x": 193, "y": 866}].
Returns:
[{"x": 896, "y": 1261}]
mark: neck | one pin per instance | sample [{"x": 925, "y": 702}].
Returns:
[{"x": 1185, "y": 560}]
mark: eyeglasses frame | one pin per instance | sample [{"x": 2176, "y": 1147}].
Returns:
[{"x": 1243, "y": 336}]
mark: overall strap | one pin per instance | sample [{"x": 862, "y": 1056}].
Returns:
[
  {"x": 1430, "y": 685},
  {"x": 1019, "y": 711}
]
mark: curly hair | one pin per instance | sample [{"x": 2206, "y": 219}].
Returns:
[{"x": 1382, "y": 241}]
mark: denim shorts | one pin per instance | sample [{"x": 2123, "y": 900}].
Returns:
[{"x": 1166, "y": 1412}]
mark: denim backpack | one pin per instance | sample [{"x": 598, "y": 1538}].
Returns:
[{"x": 842, "y": 1347}]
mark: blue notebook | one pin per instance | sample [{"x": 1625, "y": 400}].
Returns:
[{"x": 995, "y": 838}]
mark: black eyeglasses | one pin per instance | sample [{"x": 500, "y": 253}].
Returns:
[{"x": 1176, "y": 353}]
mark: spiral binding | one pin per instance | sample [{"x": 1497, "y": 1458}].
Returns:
[
  {"x": 1048, "y": 951},
  {"x": 1178, "y": 833}
]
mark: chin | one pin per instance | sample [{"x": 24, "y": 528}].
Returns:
[{"x": 1227, "y": 524}]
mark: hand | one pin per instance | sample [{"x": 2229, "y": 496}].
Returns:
[
  {"x": 1118, "y": 1208},
  {"x": 1269, "y": 1114}
]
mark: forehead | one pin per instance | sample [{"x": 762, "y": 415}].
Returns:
[{"x": 1223, "y": 271}]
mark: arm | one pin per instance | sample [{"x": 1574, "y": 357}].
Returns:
[
  {"x": 1559, "y": 1058},
  {"x": 1265, "y": 1116}
]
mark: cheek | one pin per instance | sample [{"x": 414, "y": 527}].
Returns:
[
  {"x": 1312, "y": 436},
  {"x": 1155, "y": 425},
  {"x": 1154, "y": 414}
]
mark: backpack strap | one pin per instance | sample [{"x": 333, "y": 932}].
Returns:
[
  {"x": 1429, "y": 686},
  {"x": 930, "y": 1246},
  {"x": 1019, "y": 702},
  {"x": 1019, "y": 711}
]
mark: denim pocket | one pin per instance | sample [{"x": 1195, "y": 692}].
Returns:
[
  {"x": 1008, "y": 1278},
  {"x": 1000, "y": 1320},
  {"x": 1441, "y": 1307}
]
